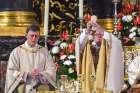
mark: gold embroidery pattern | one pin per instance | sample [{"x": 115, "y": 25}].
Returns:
[
  {"x": 62, "y": 13},
  {"x": 32, "y": 50},
  {"x": 130, "y": 52}
]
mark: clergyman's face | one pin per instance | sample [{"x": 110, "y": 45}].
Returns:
[
  {"x": 32, "y": 37},
  {"x": 98, "y": 37}
]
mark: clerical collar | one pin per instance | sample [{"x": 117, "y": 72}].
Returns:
[
  {"x": 27, "y": 45},
  {"x": 28, "y": 48}
]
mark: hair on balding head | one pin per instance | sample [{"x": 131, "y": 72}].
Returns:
[{"x": 33, "y": 27}]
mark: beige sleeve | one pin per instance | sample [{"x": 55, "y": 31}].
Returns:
[{"x": 50, "y": 70}]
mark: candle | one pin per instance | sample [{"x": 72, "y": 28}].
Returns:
[
  {"x": 80, "y": 9},
  {"x": 46, "y": 17},
  {"x": 77, "y": 55}
]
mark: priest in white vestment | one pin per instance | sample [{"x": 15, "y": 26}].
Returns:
[
  {"x": 110, "y": 68},
  {"x": 30, "y": 66},
  {"x": 85, "y": 61}
]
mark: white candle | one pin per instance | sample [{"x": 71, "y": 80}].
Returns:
[
  {"x": 77, "y": 55},
  {"x": 81, "y": 9},
  {"x": 46, "y": 17}
]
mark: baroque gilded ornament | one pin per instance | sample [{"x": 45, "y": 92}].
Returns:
[{"x": 61, "y": 14}]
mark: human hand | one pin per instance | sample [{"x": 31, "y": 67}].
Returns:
[
  {"x": 91, "y": 25},
  {"x": 93, "y": 18},
  {"x": 34, "y": 73}
]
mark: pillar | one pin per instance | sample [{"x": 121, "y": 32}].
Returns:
[{"x": 16, "y": 12}]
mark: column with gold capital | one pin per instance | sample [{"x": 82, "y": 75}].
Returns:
[{"x": 16, "y": 12}]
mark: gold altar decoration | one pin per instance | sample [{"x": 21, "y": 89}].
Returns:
[
  {"x": 107, "y": 23},
  {"x": 130, "y": 52},
  {"x": 16, "y": 18},
  {"x": 14, "y": 23},
  {"x": 65, "y": 85},
  {"x": 48, "y": 92}
]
